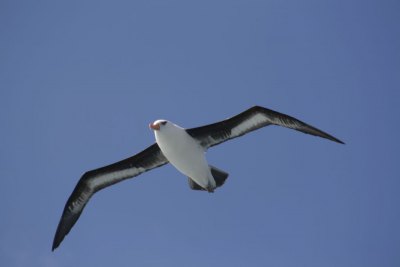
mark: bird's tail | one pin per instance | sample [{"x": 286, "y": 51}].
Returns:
[{"x": 219, "y": 176}]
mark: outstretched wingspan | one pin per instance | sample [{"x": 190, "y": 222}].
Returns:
[
  {"x": 250, "y": 120},
  {"x": 95, "y": 180},
  {"x": 152, "y": 157}
]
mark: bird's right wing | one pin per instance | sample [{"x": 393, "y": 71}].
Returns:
[{"x": 95, "y": 180}]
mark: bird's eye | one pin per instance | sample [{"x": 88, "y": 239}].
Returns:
[{"x": 164, "y": 122}]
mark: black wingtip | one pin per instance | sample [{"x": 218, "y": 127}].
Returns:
[
  {"x": 67, "y": 221},
  {"x": 341, "y": 142},
  {"x": 56, "y": 243},
  {"x": 58, "y": 238},
  {"x": 334, "y": 139},
  {"x": 330, "y": 137},
  {"x": 65, "y": 225}
]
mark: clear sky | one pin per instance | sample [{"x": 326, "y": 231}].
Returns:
[{"x": 81, "y": 80}]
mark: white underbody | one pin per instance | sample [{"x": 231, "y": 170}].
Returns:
[{"x": 185, "y": 154}]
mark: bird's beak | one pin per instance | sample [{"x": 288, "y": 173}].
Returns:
[{"x": 154, "y": 126}]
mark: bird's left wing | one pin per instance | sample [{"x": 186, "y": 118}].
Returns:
[
  {"x": 95, "y": 180},
  {"x": 250, "y": 120}
]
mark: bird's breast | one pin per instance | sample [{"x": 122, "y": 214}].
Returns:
[{"x": 183, "y": 152}]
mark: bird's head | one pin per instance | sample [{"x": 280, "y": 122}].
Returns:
[{"x": 158, "y": 124}]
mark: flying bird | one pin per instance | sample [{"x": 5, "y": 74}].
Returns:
[{"x": 185, "y": 150}]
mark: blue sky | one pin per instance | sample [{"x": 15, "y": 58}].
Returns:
[{"x": 81, "y": 80}]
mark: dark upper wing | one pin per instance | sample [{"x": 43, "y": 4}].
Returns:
[
  {"x": 95, "y": 180},
  {"x": 250, "y": 120}
]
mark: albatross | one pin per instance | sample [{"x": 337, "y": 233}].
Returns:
[{"x": 185, "y": 150}]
